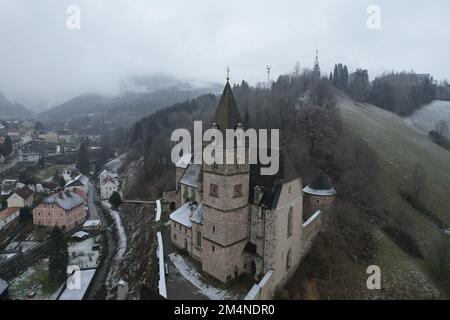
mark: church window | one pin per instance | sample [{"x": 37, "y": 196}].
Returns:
[
  {"x": 199, "y": 239},
  {"x": 289, "y": 222},
  {"x": 214, "y": 190},
  {"x": 289, "y": 260},
  {"x": 214, "y": 229},
  {"x": 237, "y": 191},
  {"x": 174, "y": 236},
  {"x": 213, "y": 248},
  {"x": 290, "y": 189}
]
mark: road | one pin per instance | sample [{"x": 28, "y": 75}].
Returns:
[{"x": 92, "y": 208}]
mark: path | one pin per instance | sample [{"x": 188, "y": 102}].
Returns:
[{"x": 92, "y": 208}]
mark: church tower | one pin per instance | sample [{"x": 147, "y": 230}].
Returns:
[{"x": 225, "y": 202}]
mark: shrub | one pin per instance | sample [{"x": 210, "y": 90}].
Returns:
[{"x": 404, "y": 240}]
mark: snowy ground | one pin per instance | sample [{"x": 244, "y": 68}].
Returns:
[
  {"x": 82, "y": 255},
  {"x": 33, "y": 284},
  {"x": 191, "y": 275},
  {"x": 23, "y": 245}
]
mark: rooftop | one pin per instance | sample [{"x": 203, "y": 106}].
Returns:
[
  {"x": 187, "y": 214},
  {"x": 320, "y": 186},
  {"x": 227, "y": 114},
  {"x": 8, "y": 212},
  {"x": 66, "y": 200},
  {"x": 24, "y": 192},
  {"x": 78, "y": 180},
  {"x": 192, "y": 176}
]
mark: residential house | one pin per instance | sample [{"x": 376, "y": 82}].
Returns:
[
  {"x": 21, "y": 198},
  {"x": 109, "y": 183},
  {"x": 9, "y": 218},
  {"x": 64, "y": 209},
  {"x": 79, "y": 182}
]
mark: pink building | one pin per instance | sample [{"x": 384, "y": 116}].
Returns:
[{"x": 64, "y": 209}]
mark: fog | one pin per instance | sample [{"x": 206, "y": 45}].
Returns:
[{"x": 42, "y": 62}]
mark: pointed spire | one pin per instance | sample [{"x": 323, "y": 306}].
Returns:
[
  {"x": 228, "y": 73},
  {"x": 227, "y": 115}
]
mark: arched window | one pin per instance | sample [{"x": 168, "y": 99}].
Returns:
[
  {"x": 289, "y": 222},
  {"x": 289, "y": 259}
]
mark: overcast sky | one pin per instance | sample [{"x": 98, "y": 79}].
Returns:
[{"x": 42, "y": 60}]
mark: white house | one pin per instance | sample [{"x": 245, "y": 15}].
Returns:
[
  {"x": 80, "y": 182},
  {"x": 21, "y": 198},
  {"x": 109, "y": 182},
  {"x": 9, "y": 217}
]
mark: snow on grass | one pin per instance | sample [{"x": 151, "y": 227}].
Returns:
[
  {"x": 82, "y": 255},
  {"x": 191, "y": 275},
  {"x": 34, "y": 284},
  {"x": 162, "y": 274}
]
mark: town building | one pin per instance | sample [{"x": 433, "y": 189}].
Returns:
[
  {"x": 79, "y": 182},
  {"x": 64, "y": 209},
  {"x": 109, "y": 183},
  {"x": 8, "y": 186},
  {"x": 30, "y": 157},
  {"x": 9, "y": 218},
  {"x": 235, "y": 221},
  {"x": 21, "y": 198},
  {"x": 48, "y": 136}
]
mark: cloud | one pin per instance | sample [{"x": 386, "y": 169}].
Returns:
[{"x": 41, "y": 60}]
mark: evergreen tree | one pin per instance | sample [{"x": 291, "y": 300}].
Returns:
[
  {"x": 83, "y": 159},
  {"x": 7, "y": 146},
  {"x": 38, "y": 126},
  {"x": 58, "y": 257},
  {"x": 115, "y": 200}
]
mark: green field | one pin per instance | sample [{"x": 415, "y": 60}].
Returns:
[{"x": 400, "y": 146}]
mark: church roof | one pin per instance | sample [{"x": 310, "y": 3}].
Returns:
[
  {"x": 192, "y": 176},
  {"x": 320, "y": 186},
  {"x": 272, "y": 185},
  {"x": 227, "y": 114}
]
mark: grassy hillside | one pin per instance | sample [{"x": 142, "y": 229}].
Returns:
[
  {"x": 400, "y": 146},
  {"x": 426, "y": 117}
]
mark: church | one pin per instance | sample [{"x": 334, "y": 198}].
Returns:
[{"x": 235, "y": 221}]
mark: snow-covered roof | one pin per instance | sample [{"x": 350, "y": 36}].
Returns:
[
  {"x": 184, "y": 161},
  {"x": 66, "y": 200},
  {"x": 317, "y": 192},
  {"x": 187, "y": 214},
  {"x": 192, "y": 175},
  {"x": 182, "y": 215},
  {"x": 158, "y": 210},
  {"x": 81, "y": 179},
  {"x": 78, "y": 293},
  {"x": 312, "y": 218},
  {"x": 197, "y": 215},
  {"x": 91, "y": 223},
  {"x": 80, "y": 234}
]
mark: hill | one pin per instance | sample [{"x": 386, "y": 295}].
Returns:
[
  {"x": 426, "y": 118},
  {"x": 13, "y": 111},
  {"x": 399, "y": 147},
  {"x": 140, "y": 97}
]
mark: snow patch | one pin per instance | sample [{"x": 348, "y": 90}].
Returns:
[{"x": 195, "y": 279}]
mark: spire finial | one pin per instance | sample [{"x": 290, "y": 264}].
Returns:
[{"x": 228, "y": 73}]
